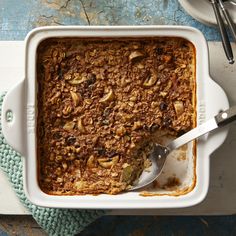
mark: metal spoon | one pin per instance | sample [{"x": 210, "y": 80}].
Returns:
[
  {"x": 223, "y": 32},
  {"x": 228, "y": 18},
  {"x": 233, "y": 2},
  {"x": 159, "y": 153}
]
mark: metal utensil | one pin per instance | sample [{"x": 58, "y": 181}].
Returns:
[
  {"x": 223, "y": 32},
  {"x": 233, "y": 2},
  {"x": 159, "y": 153},
  {"x": 228, "y": 18}
]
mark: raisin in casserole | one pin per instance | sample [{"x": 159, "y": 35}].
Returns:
[{"x": 101, "y": 102}]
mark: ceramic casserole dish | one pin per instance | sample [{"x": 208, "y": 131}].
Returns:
[{"x": 192, "y": 172}]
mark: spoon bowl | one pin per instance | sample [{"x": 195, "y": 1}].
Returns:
[{"x": 150, "y": 174}]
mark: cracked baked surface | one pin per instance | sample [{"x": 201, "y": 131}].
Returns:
[{"x": 101, "y": 102}]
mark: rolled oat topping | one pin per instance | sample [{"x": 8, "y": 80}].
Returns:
[{"x": 101, "y": 101}]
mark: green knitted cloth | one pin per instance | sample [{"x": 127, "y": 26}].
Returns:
[{"x": 56, "y": 222}]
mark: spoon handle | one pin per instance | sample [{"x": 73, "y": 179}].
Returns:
[
  {"x": 228, "y": 19},
  {"x": 223, "y": 32},
  {"x": 223, "y": 118}
]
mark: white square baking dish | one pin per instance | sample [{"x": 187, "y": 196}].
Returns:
[{"x": 20, "y": 131}]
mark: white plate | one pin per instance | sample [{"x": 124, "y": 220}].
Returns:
[{"x": 202, "y": 10}]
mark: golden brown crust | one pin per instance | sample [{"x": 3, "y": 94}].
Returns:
[{"x": 100, "y": 102}]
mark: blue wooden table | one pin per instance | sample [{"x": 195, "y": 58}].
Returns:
[{"x": 18, "y": 17}]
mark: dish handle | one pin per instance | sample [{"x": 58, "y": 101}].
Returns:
[
  {"x": 216, "y": 102},
  {"x": 12, "y": 118}
]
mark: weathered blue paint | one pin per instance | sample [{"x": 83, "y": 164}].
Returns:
[
  {"x": 19, "y": 17},
  {"x": 163, "y": 225},
  {"x": 2, "y": 233}
]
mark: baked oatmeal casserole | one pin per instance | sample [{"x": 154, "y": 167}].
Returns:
[{"x": 101, "y": 102}]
